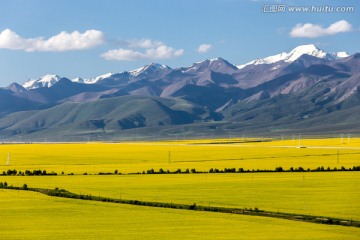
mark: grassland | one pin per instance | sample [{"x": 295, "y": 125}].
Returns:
[
  {"x": 330, "y": 194},
  {"x": 27, "y": 215}
]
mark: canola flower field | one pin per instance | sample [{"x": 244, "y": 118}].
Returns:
[
  {"x": 77, "y": 165},
  {"x": 202, "y": 155},
  {"x": 27, "y": 215}
]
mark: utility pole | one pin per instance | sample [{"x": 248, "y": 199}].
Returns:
[{"x": 8, "y": 159}]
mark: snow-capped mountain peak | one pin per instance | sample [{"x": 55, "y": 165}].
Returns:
[
  {"x": 215, "y": 64},
  {"x": 210, "y": 61},
  {"x": 293, "y": 55},
  {"x": 267, "y": 60},
  {"x": 149, "y": 67},
  {"x": 218, "y": 65},
  {"x": 46, "y": 81},
  {"x": 309, "y": 49},
  {"x": 98, "y": 78},
  {"x": 218, "y": 59},
  {"x": 78, "y": 80}
]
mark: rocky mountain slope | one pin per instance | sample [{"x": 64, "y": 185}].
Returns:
[{"x": 306, "y": 90}]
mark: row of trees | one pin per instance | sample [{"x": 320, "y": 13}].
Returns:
[
  {"x": 5, "y": 185},
  {"x": 318, "y": 169},
  {"x": 242, "y": 170},
  {"x": 14, "y": 172}
]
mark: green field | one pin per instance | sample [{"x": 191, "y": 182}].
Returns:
[
  {"x": 28, "y": 215},
  {"x": 334, "y": 194}
]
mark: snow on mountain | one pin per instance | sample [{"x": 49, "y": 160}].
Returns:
[
  {"x": 297, "y": 52},
  {"x": 216, "y": 64},
  {"x": 148, "y": 68},
  {"x": 78, "y": 80},
  {"x": 310, "y": 49},
  {"x": 45, "y": 81},
  {"x": 267, "y": 60},
  {"x": 98, "y": 78},
  {"x": 340, "y": 54}
]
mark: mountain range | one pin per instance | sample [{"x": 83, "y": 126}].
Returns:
[{"x": 304, "y": 91}]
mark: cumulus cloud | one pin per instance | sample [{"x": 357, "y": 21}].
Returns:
[
  {"x": 204, "y": 48},
  {"x": 309, "y": 30},
  {"x": 153, "y": 50},
  {"x": 62, "y": 42}
]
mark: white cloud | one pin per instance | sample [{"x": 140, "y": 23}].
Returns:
[
  {"x": 59, "y": 43},
  {"x": 144, "y": 43},
  {"x": 163, "y": 52},
  {"x": 310, "y": 30},
  {"x": 204, "y": 48},
  {"x": 153, "y": 50},
  {"x": 122, "y": 55}
]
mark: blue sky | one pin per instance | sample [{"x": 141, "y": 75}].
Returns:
[{"x": 89, "y": 38}]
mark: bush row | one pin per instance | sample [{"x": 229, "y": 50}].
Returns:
[
  {"x": 186, "y": 171},
  {"x": 242, "y": 170},
  {"x": 14, "y": 172},
  {"x": 6, "y": 186}
]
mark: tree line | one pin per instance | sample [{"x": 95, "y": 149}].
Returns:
[{"x": 14, "y": 172}]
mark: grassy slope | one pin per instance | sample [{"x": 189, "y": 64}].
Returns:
[
  {"x": 114, "y": 114},
  {"x": 27, "y": 215}
]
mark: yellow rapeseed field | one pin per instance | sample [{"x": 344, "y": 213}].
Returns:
[
  {"x": 28, "y": 215},
  {"x": 202, "y": 155},
  {"x": 329, "y": 194}
]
